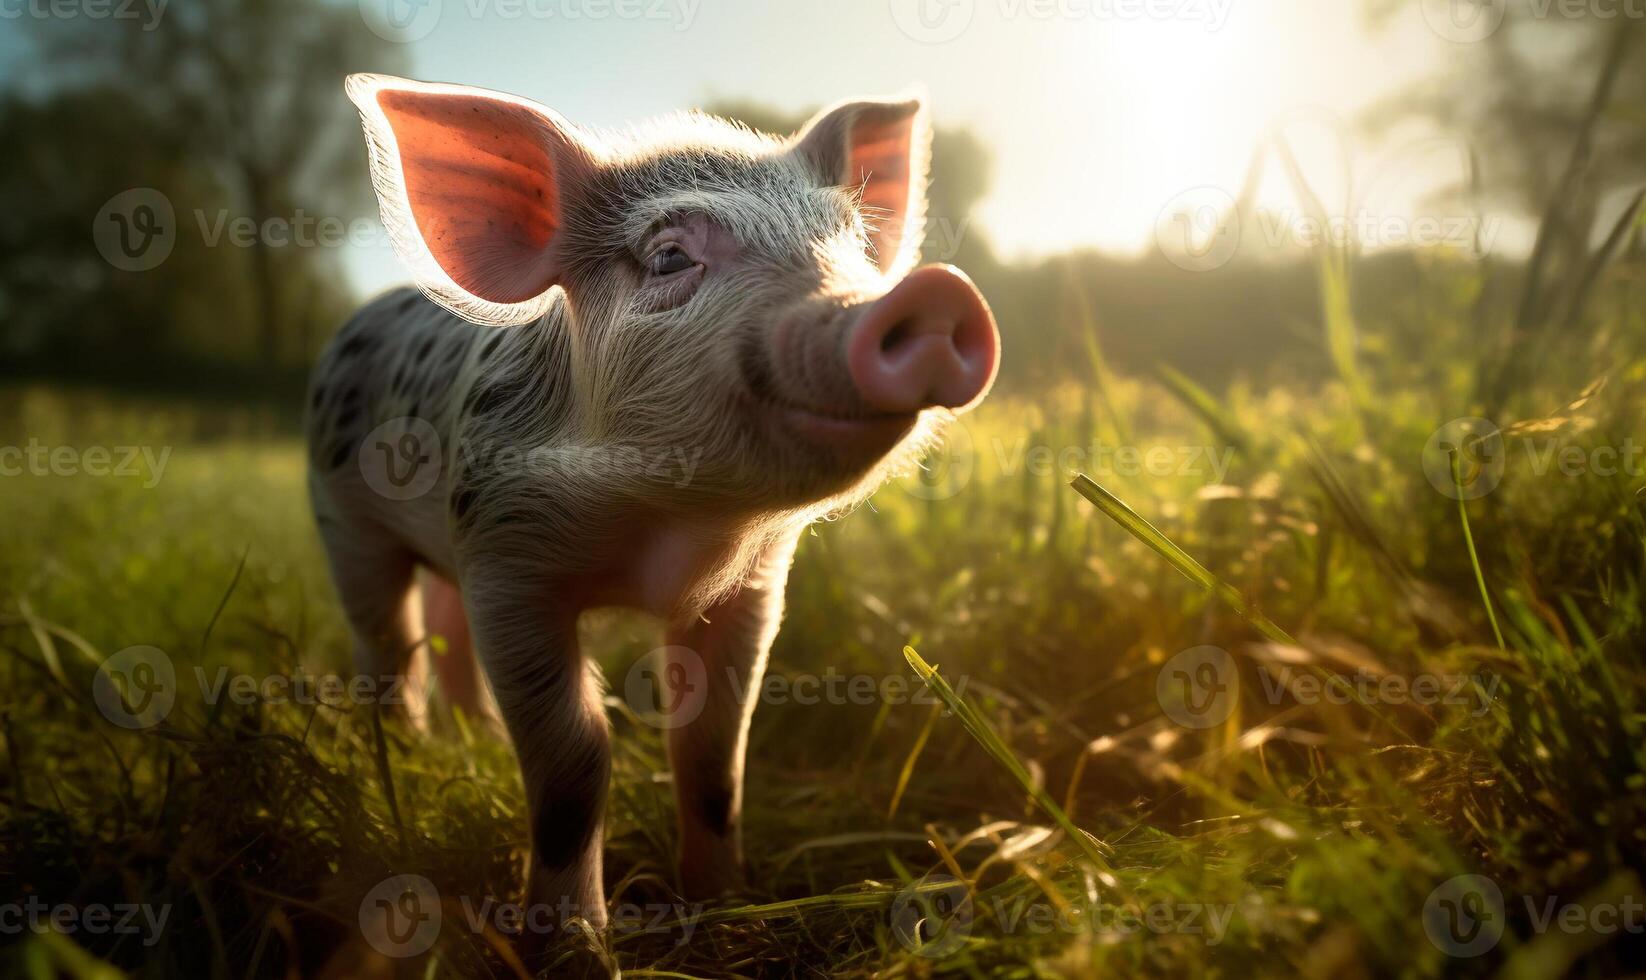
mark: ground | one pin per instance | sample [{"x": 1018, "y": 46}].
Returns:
[{"x": 1288, "y": 766}]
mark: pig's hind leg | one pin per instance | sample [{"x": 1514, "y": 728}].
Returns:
[
  {"x": 375, "y": 577},
  {"x": 455, "y": 666}
]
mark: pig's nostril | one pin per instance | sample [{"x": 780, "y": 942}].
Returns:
[
  {"x": 896, "y": 335},
  {"x": 931, "y": 341}
]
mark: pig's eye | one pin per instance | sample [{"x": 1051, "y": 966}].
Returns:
[{"x": 668, "y": 260}]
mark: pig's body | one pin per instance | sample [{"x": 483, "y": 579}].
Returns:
[
  {"x": 399, "y": 356},
  {"x": 731, "y": 353}
]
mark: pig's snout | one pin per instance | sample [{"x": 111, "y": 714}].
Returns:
[{"x": 930, "y": 342}]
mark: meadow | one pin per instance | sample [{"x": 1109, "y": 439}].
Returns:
[{"x": 1272, "y": 701}]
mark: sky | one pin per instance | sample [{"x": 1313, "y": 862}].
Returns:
[{"x": 1105, "y": 118}]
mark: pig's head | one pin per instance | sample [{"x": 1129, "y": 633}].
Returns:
[{"x": 747, "y": 301}]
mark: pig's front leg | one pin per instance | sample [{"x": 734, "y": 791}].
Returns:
[
  {"x": 706, "y": 753},
  {"x": 549, "y": 697}
]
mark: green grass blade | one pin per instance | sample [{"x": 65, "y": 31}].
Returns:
[
  {"x": 1474, "y": 556},
  {"x": 1179, "y": 559},
  {"x": 980, "y": 729}
]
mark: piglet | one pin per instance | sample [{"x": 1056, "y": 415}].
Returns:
[{"x": 640, "y": 364}]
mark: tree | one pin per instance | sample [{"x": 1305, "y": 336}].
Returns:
[{"x": 248, "y": 95}]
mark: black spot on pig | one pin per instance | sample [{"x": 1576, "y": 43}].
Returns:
[
  {"x": 567, "y": 815},
  {"x": 483, "y": 399},
  {"x": 462, "y": 504},
  {"x": 715, "y": 807}
]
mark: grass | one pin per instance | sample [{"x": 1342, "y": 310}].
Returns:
[{"x": 1047, "y": 810}]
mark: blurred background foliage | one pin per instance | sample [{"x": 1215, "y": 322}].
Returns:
[{"x": 236, "y": 109}]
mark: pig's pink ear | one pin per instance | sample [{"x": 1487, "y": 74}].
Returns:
[
  {"x": 882, "y": 148},
  {"x": 471, "y": 185}
]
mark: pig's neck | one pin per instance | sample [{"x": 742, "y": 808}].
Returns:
[{"x": 595, "y": 538}]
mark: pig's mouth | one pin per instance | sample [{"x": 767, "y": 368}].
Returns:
[{"x": 848, "y": 426}]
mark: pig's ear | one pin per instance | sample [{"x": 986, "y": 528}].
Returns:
[
  {"x": 882, "y": 148},
  {"x": 472, "y": 185}
]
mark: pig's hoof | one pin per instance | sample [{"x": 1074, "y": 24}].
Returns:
[{"x": 705, "y": 883}]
